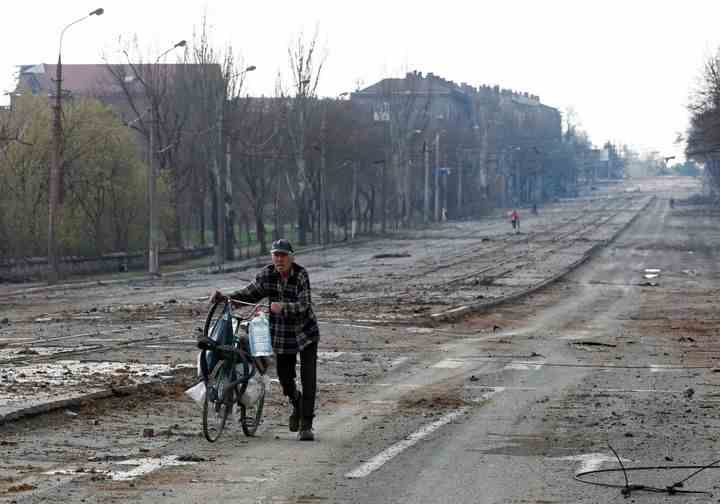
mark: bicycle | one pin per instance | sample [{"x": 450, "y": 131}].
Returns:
[{"x": 227, "y": 368}]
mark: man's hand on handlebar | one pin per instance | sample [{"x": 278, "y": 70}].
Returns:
[{"x": 217, "y": 296}]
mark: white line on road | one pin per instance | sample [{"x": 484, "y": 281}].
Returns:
[
  {"x": 664, "y": 368},
  {"x": 398, "y": 361},
  {"x": 524, "y": 365},
  {"x": 386, "y": 455},
  {"x": 449, "y": 364},
  {"x": 329, "y": 355}
]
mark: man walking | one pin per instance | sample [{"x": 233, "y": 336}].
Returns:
[{"x": 293, "y": 330}]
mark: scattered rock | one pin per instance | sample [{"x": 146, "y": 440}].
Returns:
[
  {"x": 190, "y": 458},
  {"x": 474, "y": 378},
  {"x": 28, "y": 351},
  {"x": 5, "y": 321},
  {"x": 391, "y": 255},
  {"x": 689, "y": 392},
  {"x": 148, "y": 432}
]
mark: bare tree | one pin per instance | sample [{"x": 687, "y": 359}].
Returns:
[
  {"x": 305, "y": 67},
  {"x": 703, "y": 138},
  {"x": 258, "y": 157},
  {"x": 407, "y": 104}
]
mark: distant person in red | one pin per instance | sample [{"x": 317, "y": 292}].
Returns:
[{"x": 515, "y": 220}]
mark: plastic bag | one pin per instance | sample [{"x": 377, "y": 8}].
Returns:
[
  {"x": 256, "y": 386},
  {"x": 252, "y": 392},
  {"x": 197, "y": 392}
]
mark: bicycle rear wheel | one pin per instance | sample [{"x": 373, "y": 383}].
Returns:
[
  {"x": 218, "y": 402},
  {"x": 251, "y": 417}
]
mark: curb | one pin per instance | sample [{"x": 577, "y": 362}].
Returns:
[
  {"x": 79, "y": 399},
  {"x": 455, "y": 314},
  {"x": 233, "y": 267}
]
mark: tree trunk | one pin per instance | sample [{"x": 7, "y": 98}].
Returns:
[
  {"x": 302, "y": 219},
  {"x": 246, "y": 232},
  {"x": 214, "y": 213},
  {"x": 230, "y": 239},
  {"x": 201, "y": 217},
  {"x": 260, "y": 232},
  {"x": 277, "y": 231}
]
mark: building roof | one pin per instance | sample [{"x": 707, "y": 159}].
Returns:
[
  {"x": 413, "y": 82},
  {"x": 91, "y": 79},
  {"x": 417, "y": 83}
]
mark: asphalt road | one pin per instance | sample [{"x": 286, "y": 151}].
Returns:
[{"x": 500, "y": 407}]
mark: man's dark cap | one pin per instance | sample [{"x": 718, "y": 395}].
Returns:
[{"x": 282, "y": 246}]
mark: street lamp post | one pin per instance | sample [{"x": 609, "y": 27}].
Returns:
[
  {"x": 153, "y": 232},
  {"x": 437, "y": 176},
  {"x": 223, "y": 181},
  {"x": 56, "y": 167}
]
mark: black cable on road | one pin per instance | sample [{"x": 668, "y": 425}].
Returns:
[{"x": 627, "y": 488}]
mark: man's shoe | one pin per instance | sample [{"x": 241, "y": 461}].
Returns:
[
  {"x": 306, "y": 430},
  {"x": 294, "y": 420}
]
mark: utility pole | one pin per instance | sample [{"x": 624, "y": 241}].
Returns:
[
  {"x": 383, "y": 197},
  {"x": 229, "y": 223},
  {"x": 426, "y": 193},
  {"x": 58, "y": 160},
  {"x": 220, "y": 188},
  {"x": 353, "y": 228},
  {"x": 323, "y": 224},
  {"x": 459, "y": 186},
  {"x": 153, "y": 225},
  {"x": 153, "y": 252},
  {"x": 55, "y": 176},
  {"x": 437, "y": 176}
]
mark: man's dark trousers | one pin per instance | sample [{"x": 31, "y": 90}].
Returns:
[{"x": 308, "y": 377}]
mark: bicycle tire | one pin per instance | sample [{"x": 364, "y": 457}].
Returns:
[
  {"x": 218, "y": 403},
  {"x": 251, "y": 417}
]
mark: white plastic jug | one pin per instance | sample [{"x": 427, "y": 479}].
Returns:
[{"x": 259, "y": 333}]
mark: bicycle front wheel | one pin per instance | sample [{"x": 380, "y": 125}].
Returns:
[
  {"x": 251, "y": 417},
  {"x": 218, "y": 402}
]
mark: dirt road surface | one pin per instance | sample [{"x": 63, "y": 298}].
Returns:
[{"x": 459, "y": 363}]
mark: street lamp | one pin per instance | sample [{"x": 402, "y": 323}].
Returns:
[
  {"x": 223, "y": 181},
  {"x": 56, "y": 167},
  {"x": 383, "y": 194},
  {"x": 153, "y": 247},
  {"x": 438, "y": 214}
]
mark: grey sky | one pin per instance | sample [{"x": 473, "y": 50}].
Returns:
[{"x": 626, "y": 67}]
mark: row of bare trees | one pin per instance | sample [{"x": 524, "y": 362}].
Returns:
[
  {"x": 703, "y": 137},
  {"x": 236, "y": 171}
]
